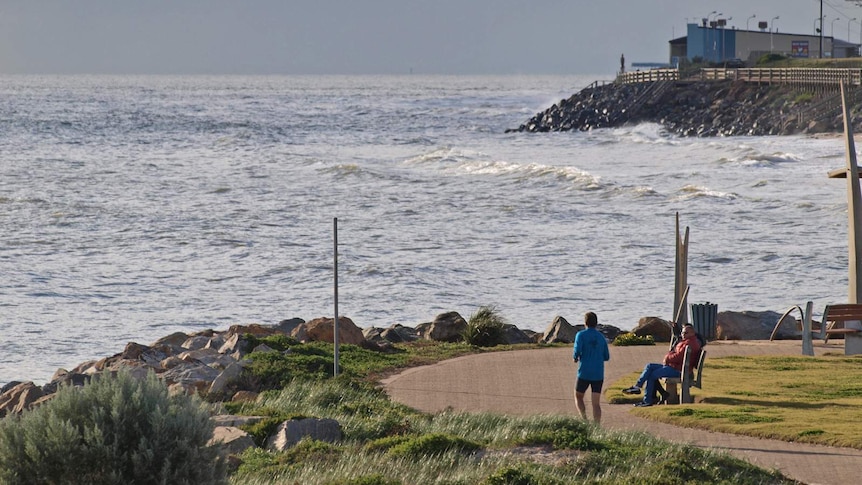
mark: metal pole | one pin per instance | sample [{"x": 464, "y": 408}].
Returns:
[
  {"x": 821, "y": 29},
  {"x": 335, "y": 293}
]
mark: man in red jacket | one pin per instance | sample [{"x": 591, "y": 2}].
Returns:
[{"x": 671, "y": 366}]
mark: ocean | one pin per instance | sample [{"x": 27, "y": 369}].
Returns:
[{"x": 135, "y": 206}]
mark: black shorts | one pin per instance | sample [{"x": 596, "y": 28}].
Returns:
[{"x": 582, "y": 384}]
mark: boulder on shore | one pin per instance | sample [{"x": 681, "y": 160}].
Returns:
[
  {"x": 749, "y": 325},
  {"x": 559, "y": 331},
  {"x": 658, "y": 328}
]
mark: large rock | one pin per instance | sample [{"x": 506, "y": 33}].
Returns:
[
  {"x": 230, "y": 440},
  {"x": 609, "y": 331},
  {"x": 750, "y": 325},
  {"x": 658, "y": 328},
  {"x": 287, "y": 326},
  {"x": 230, "y": 374},
  {"x": 559, "y": 331},
  {"x": 321, "y": 330},
  {"x": 291, "y": 432},
  {"x": 19, "y": 398},
  {"x": 446, "y": 327},
  {"x": 513, "y": 335},
  {"x": 399, "y": 333}
]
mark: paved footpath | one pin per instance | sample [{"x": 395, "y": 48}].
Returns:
[{"x": 541, "y": 381}]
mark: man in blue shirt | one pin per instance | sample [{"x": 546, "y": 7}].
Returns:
[{"x": 591, "y": 352}]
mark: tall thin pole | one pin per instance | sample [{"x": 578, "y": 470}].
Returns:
[
  {"x": 335, "y": 293},
  {"x": 821, "y": 29},
  {"x": 854, "y": 207}
]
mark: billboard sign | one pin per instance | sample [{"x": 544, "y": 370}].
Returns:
[{"x": 799, "y": 48}]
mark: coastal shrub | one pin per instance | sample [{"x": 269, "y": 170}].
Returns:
[
  {"x": 769, "y": 58},
  {"x": 270, "y": 464},
  {"x": 363, "y": 411},
  {"x": 113, "y": 430},
  {"x": 802, "y": 98},
  {"x": 484, "y": 328},
  {"x": 432, "y": 444},
  {"x": 625, "y": 339},
  {"x": 521, "y": 474},
  {"x": 564, "y": 433},
  {"x": 279, "y": 342},
  {"x": 274, "y": 370}
]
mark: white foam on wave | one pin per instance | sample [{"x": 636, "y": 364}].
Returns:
[
  {"x": 469, "y": 162},
  {"x": 697, "y": 191},
  {"x": 642, "y": 133},
  {"x": 753, "y": 158},
  {"x": 531, "y": 171}
]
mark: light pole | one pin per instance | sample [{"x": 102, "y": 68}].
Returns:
[
  {"x": 832, "y": 28},
  {"x": 746, "y": 22},
  {"x": 815, "y": 25},
  {"x": 848, "y": 28},
  {"x": 715, "y": 38},
  {"x": 771, "y": 30},
  {"x": 722, "y": 24}
]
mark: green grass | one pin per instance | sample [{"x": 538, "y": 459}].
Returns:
[
  {"x": 791, "y": 398},
  {"x": 464, "y": 448},
  {"x": 386, "y": 443}
]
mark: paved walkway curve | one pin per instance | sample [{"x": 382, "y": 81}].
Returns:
[{"x": 541, "y": 381}]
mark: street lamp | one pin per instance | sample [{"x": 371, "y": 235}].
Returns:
[
  {"x": 848, "y": 28},
  {"x": 746, "y": 22},
  {"x": 715, "y": 37},
  {"x": 771, "y": 24},
  {"x": 722, "y": 23},
  {"x": 821, "y": 24},
  {"x": 832, "y": 29}
]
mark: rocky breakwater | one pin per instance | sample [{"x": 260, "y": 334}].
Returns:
[{"x": 696, "y": 108}]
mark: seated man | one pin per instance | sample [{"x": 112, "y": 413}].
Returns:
[{"x": 671, "y": 366}]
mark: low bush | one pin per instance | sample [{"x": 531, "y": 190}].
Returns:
[
  {"x": 625, "y": 339},
  {"x": 113, "y": 430},
  {"x": 432, "y": 445},
  {"x": 485, "y": 328}
]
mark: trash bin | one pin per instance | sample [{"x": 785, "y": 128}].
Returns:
[{"x": 704, "y": 317}]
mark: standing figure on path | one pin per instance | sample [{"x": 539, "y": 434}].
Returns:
[
  {"x": 671, "y": 366},
  {"x": 591, "y": 352}
]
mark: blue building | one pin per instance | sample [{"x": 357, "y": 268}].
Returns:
[{"x": 717, "y": 43}]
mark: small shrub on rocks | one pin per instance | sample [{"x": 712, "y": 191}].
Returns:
[
  {"x": 113, "y": 430},
  {"x": 484, "y": 328}
]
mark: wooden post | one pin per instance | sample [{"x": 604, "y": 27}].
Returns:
[
  {"x": 680, "y": 284},
  {"x": 854, "y": 207}
]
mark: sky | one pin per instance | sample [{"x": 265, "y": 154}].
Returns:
[{"x": 374, "y": 36}]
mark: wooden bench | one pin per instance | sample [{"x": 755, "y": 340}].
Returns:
[
  {"x": 835, "y": 322},
  {"x": 689, "y": 379}
]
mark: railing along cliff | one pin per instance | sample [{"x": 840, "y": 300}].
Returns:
[
  {"x": 648, "y": 76},
  {"x": 807, "y": 77},
  {"x": 800, "y": 76}
]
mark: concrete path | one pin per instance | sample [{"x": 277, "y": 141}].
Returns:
[{"x": 541, "y": 381}]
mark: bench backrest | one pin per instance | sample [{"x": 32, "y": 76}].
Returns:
[
  {"x": 698, "y": 374},
  {"x": 694, "y": 376},
  {"x": 840, "y": 313}
]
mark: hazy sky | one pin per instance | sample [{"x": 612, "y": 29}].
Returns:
[{"x": 372, "y": 36}]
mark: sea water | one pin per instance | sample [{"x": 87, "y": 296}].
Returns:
[{"x": 133, "y": 207}]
